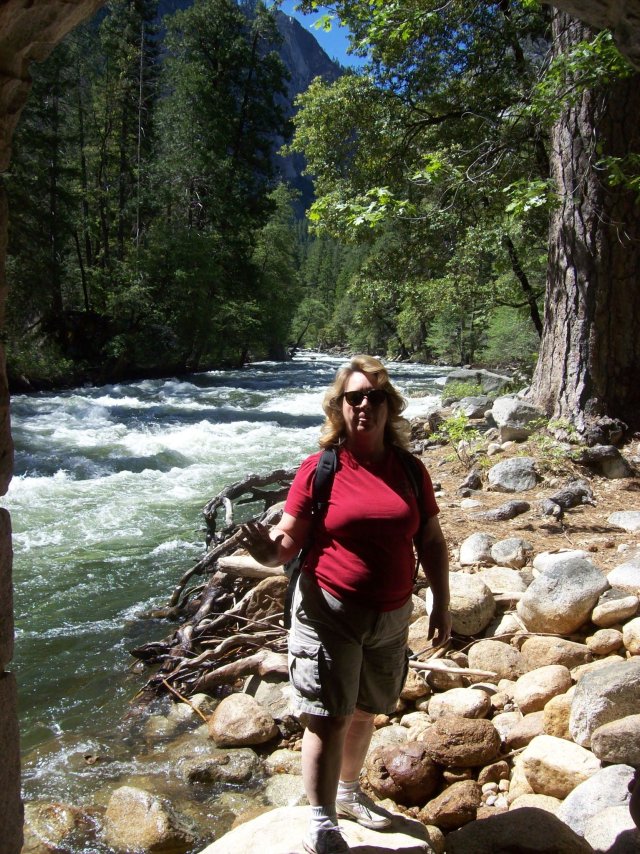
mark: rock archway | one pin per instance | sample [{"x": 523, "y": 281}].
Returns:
[{"x": 29, "y": 30}]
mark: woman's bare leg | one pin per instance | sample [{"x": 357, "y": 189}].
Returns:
[
  {"x": 322, "y": 749},
  {"x": 356, "y": 745}
]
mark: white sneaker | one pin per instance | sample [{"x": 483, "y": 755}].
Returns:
[
  {"x": 329, "y": 840},
  {"x": 362, "y": 809}
]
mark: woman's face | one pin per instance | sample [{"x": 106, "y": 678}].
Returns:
[{"x": 364, "y": 420}]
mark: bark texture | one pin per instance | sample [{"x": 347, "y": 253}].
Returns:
[{"x": 589, "y": 364}]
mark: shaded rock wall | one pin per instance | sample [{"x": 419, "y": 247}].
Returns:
[{"x": 29, "y": 30}]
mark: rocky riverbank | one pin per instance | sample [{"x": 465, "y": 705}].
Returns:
[{"x": 527, "y": 737}]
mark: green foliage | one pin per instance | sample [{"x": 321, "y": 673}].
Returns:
[
  {"x": 457, "y": 432},
  {"x": 510, "y": 340},
  {"x": 459, "y": 389}
]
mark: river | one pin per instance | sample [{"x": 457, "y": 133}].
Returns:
[{"x": 106, "y": 505}]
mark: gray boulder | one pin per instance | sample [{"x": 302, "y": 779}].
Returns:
[
  {"x": 514, "y": 475},
  {"x": 488, "y": 381},
  {"x": 515, "y": 419}
]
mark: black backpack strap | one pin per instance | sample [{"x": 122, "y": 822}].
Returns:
[{"x": 320, "y": 493}]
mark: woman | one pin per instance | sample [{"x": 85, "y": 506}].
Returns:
[{"x": 352, "y": 603}]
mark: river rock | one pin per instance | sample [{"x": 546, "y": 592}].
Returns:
[
  {"x": 415, "y": 686},
  {"x": 540, "y": 802},
  {"x": 388, "y": 736},
  {"x": 439, "y": 681},
  {"x": 503, "y": 624},
  {"x": 453, "y": 741},
  {"x": 501, "y": 658},
  {"x": 516, "y": 420},
  {"x": 612, "y": 829},
  {"x": 49, "y": 827},
  {"x": 225, "y": 766},
  {"x": 514, "y": 475},
  {"x": 405, "y": 773},
  {"x": 525, "y": 730},
  {"x": 136, "y": 820},
  {"x": 561, "y": 599},
  {"x": 466, "y": 702},
  {"x": 618, "y": 741},
  {"x": 472, "y": 604},
  {"x": 505, "y": 723},
  {"x": 555, "y": 767},
  {"x": 541, "y": 651},
  {"x": 606, "y": 788},
  {"x": 502, "y": 579},
  {"x": 418, "y": 638},
  {"x": 578, "y": 673},
  {"x": 534, "y": 689},
  {"x": 557, "y": 713},
  {"x": 603, "y": 696},
  {"x": 626, "y": 520},
  {"x": 613, "y": 610},
  {"x": 473, "y": 407},
  {"x": 513, "y": 552},
  {"x": 604, "y": 641},
  {"x": 283, "y": 761},
  {"x": 283, "y": 829},
  {"x": 240, "y": 721},
  {"x": 545, "y": 560},
  {"x": 631, "y": 636},
  {"x": 626, "y": 577},
  {"x": 285, "y": 790},
  {"x": 526, "y": 830},
  {"x": 487, "y": 380},
  {"x": 455, "y": 806},
  {"x": 476, "y": 549}
]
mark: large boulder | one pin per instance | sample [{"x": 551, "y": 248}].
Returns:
[
  {"x": 561, "y": 599},
  {"x": 472, "y": 604},
  {"x": 515, "y": 475},
  {"x": 461, "y": 742},
  {"x": 602, "y": 696},
  {"x": 488, "y": 381},
  {"x": 136, "y": 820},
  {"x": 405, "y": 773},
  {"x": 241, "y": 721},
  {"x": 606, "y": 788},
  {"x": 515, "y": 419}
]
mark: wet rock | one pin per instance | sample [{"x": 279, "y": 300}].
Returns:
[
  {"x": 284, "y": 762},
  {"x": 455, "y": 806},
  {"x": 285, "y": 790},
  {"x": 561, "y": 599},
  {"x": 51, "y": 827},
  {"x": 405, "y": 773},
  {"x": 462, "y": 742},
  {"x": 136, "y": 820},
  {"x": 240, "y": 721},
  {"x": 602, "y": 696},
  {"x": 555, "y": 767},
  {"x": 533, "y": 831},
  {"x": 514, "y": 475},
  {"x": 226, "y": 766}
]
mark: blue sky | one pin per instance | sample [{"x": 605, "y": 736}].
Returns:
[{"x": 334, "y": 43}]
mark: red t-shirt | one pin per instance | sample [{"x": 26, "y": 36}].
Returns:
[{"x": 363, "y": 547}]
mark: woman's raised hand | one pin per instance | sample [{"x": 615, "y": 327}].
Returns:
[{"x": 256, "y": 539}]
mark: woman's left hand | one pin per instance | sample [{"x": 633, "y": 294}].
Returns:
[{"x": 439, "y": 625}]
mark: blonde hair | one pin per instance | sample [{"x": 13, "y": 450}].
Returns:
[{"x": 397, "y": 429}]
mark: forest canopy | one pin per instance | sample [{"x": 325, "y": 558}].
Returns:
[{"x": 168, "y": 240}]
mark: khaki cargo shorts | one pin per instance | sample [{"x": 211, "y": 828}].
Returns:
[{"x": 343, "y": 656}]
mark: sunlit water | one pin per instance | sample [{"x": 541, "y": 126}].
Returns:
[{"x": 106, "y": 505}]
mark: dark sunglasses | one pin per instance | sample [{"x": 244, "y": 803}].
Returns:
[{"x": 375, "y": 396}]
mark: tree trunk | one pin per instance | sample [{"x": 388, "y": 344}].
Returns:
[{"x": 589, "y": 364}]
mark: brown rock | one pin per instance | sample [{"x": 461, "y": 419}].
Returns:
[
  {"x": 240, "y": 721},
  {"x": 525, "y": 730},
  {"x": 454, "y": 807},
  {"x": 404, "y": 772},
  {"x": 494, "y": 773},
  {"x": 540, "y": 651},
  {"x": 137, "y": 820},
  {"x": 557, "y": 713},
  {"x": 457, "y": 741}
]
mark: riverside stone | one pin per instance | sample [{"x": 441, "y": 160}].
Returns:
[
  {"x": 453, "y": 741},
  {"x": 561, "y": 599},
  {"x": 627, "y": 520},
  {"x": 226, "y": 766},
  {"x": 618, "y": 741},
  {"x": 515, "y": 418},
  {"x": 513, "y": 552},
  {"x": 525, "y": 730},
  {"x": 50, "y": 827},
  {"x": 283, "y": 829},
  {"x": 455, "y": 806},
  {"x": 534, "y": 690},
  {"x": 612, "y": 611},
  {"x": 540, "y": 802},
  {"x": 405, "y": 773},
  {"x": 608, "y": 787},
  {"x": 526, "y": 830},
  {"x": 604, "y": 641},
  {"x": 613, "y": 829},
  {"x": 540, "y": 651},
  {"x": 415, "y": 686},
  {"x": 555, "y": 767},
  {"x": 603, "y": 696},
  {"x": 505, "y": 722},
  {"x": 503, "y": 579},
  {"x": 626, "y": 577},
  {"x": 631, "y": 636},
  {"x": 467, "y": 702},
  {"x": 517, "y": 474},
  {"x": 500, "y": 658},
  {"x": 545, "y": 560},
  {"x": 472, "y": 604},
  {"x": 136, "y": 820},
  {"x": 240, "y": 721},
  {"x": 556, "y": 716},
  {"x": 476, "y": 549}
]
